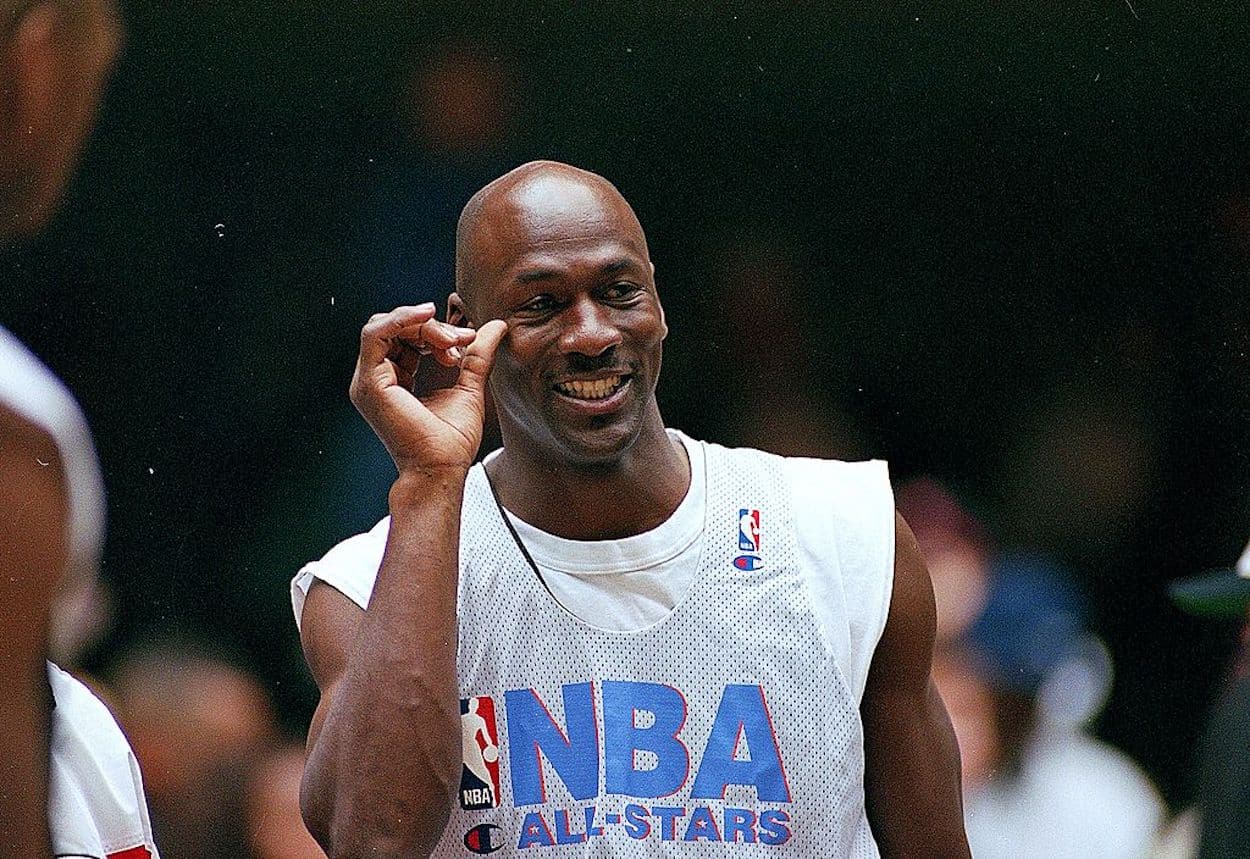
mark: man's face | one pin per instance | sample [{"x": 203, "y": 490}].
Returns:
[{"x": 566, "y": 266}]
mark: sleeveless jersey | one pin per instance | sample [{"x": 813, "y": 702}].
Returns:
[
  {"x": 96, "y": 806},
  {"x": 730, "y": 727},
  {"x": 724, "y": 729}
]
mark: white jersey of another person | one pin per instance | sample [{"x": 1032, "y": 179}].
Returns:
[
  {"x": 690, "y": 691},
  {"x": 96, "y": 806}
]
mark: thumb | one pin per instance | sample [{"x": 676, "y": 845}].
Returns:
[{"x": 479, "y": 356}]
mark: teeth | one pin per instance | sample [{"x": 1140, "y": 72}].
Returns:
[{"x": 594, "y": 390}]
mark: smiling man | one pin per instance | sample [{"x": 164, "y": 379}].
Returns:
[{"x": 608, "y": 639}]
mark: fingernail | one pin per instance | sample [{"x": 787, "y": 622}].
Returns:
[
  {"x": 425, "y": 305},
  {"x": 455, "y": 353}
]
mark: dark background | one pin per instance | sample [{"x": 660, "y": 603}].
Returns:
[{"x": 1006, "y": 246}]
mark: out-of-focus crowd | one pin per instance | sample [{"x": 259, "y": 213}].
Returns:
[{"x": 221, "y": 774}]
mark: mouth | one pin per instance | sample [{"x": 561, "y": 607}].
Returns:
[{"x": 591, "y": 390}]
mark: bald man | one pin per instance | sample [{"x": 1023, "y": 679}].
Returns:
[
  {"x": 70, "y": 783},
  {"x": 676, "y": 648}
]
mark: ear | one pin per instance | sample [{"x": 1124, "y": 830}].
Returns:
[
  {"x": 457, "y": 313},
  {"x": 663, "y": 321},
  {"x": 28, "y": 124},
  {"x": 55, "y": 64}
]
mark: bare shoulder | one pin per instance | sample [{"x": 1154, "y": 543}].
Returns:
[
  {"x": 32, "y": 529},
  {"x": 904, "y": 654},
  {"x": 328, "y": 627}
]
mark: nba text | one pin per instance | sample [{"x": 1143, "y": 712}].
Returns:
[{"x": 644, "y": 752}]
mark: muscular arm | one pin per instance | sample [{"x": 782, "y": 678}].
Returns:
[
  {"x": 32, "y": 558},
  {"x": 384, "y": 747},
  {"x": 912, "y": 759}
]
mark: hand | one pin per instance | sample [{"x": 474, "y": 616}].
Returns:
[{"x": 444, "y": 429}]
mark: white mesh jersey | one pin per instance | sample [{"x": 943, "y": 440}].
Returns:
[
  {"x": 96, "y": 806},
  {"x": 729, "y": 727}
]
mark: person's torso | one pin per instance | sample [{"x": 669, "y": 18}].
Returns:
[{"x": 725, "y": 728}]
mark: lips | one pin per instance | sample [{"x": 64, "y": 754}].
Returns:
[{"x": 591, "y": 389}]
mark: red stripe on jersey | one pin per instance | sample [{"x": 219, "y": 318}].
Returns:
[{"x": 139, "y": 852}]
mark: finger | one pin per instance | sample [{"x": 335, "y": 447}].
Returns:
[
  {"x": 447, "y": 357},
  {"x": 432, "y": 334},
  {"x": 382, "y": 328},
  {"x": 479, "y": 356},
  {"x": 407, "y": 359}
]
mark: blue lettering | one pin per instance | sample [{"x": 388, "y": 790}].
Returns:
[
  {"x": 623, "y": 738},
  {"x": 701, "y": 826},
  {"x": 532, "y": 730},
  {"x": 773, "y": 828},
  {"x": 637, "y": 826},
  {"x": 563, "y": 835},
  {"x": 591, "y": 829},
  {"x": 744, "y": 713},
  {"x": 668, "y": 821},
  {"x": 739, "y": 821},
  {"x": 534, "y": 832}
]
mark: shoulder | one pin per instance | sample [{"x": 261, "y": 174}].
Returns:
[{"x": 350, "y": 567}]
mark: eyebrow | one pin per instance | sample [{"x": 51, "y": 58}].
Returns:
[{"x": 615, "y": 266}]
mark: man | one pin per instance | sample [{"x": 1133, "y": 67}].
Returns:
[
  {"x": 71, "y": 786},
  {"x": 669, "y": 641}
]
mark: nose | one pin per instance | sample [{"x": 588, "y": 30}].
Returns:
[{"x": 589, "y": 329}]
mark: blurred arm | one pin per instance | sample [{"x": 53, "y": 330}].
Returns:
[
  {"x": 32, "y": 558},
  {"x": 912, "y": 781}
]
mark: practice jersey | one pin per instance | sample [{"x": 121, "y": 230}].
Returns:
[
  {"x": 96, "y": 806},
  {"x": 729, "y": 727}
]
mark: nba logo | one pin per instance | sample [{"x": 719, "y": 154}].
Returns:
[
  {"x": 479, "y": 780},
  {"x": 749, "y": 530}
]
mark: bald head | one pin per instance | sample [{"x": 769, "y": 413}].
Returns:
[{"x": 536, "y": 204}]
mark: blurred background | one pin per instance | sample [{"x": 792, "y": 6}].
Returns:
[{"x": 1005, "y": 247}]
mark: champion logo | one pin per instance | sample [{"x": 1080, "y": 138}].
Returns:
[{"x": 483, "y": 839}]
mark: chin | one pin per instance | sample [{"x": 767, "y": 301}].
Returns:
[{"x": 597, "y": 447}]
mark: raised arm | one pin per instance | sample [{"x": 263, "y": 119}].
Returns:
[
  {"x": 384, "y": 745},
  {"x": 32, "y": 559},
  {"x": 911, "y": 756}
]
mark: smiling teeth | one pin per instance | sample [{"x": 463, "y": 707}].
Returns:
[{"x": 593, "y": 390}]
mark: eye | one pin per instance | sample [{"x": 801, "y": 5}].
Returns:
[
  {"x": 538, "y": 305},
  {"x": 622, "y": 291}
]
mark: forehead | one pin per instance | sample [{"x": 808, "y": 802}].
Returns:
[{"x": 556, "y": 224}]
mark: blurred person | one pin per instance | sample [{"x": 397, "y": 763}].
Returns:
[
  {"x": 455, "y": 119},
  {"x": 758, "y": 284},
  {"x": 71, "y": 785},
  {"x": 956, "y": 548},
  {"x": 1033, "y": 676},
  {"x": 773, "y": 614},
  {"x": 274, "y": 825},
  {"x": 1223, "y": 799},
  {"x": 196, "y": 723}
]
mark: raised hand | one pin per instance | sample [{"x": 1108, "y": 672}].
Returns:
[{"x": 443, "y": 429}]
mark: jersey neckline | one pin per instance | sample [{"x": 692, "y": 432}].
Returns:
[{"x": 628, "y": 554}]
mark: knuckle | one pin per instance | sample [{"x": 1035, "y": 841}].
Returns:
[{"x": 474, "y": 363}]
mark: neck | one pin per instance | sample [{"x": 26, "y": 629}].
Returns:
[{"x": 628, "y": 496}]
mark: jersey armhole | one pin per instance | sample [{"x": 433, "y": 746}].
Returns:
[{"x": 844, "y": 524}]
